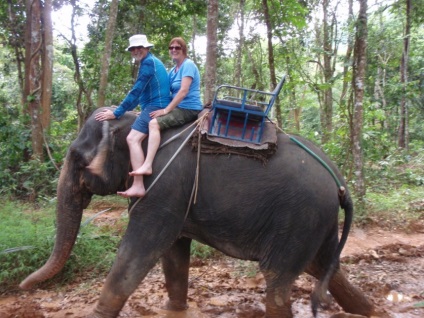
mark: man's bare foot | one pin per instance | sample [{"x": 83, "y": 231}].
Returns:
[
  {"x": 133, "y": 192},
  {"x": 143, "y": 170}
]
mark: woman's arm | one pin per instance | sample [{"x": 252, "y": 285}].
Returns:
[{"x": 182, "y": 93}]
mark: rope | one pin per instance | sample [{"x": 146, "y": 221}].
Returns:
[
  {"x": 195, "y": 186},
  {"x": 314, "y": 155},
  {"x": 196, "y": 179},
  {"x": 164, "y": 168}
]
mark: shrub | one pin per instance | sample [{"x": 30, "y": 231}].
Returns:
[{"x": 27, "y": 238}]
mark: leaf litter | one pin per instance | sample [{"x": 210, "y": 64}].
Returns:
[{"x": 388, "y": 266}]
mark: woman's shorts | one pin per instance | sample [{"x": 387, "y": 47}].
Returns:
[
  {"x": 177, "y": 117},
  {"x": 141, "y": 124}
]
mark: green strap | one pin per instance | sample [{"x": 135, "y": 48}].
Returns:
[{"x": 313, "y": 154}]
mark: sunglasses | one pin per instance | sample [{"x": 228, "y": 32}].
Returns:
[{"x": 174, "y": 48}]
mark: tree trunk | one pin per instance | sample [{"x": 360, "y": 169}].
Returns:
[
  {"x": 33, "y": 44},
  {"x": 358, "y": 85},
  {"x": 47, "y": 83},
  {"x": 348, "y": 58},
  {"x": 17, "y": 41},
  {"x": 239, "y": 53},
  {"x": 82, "y": 109},
  {"x": 211, "y": 51},
  {"x": 193, "y": 38},
  {"x": 271, "y": 61},
  {"x": 295, "y": 109},
  {"x": 327, "y": 112},
  {"x": 403, "y": 118},
  {"x": 110, "y": 31},
  {"x": 258, "y": 83}
]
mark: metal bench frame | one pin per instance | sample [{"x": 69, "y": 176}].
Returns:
[{"x": 245, "y": 115}]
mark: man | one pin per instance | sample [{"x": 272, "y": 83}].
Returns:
[{"x": 152, "y": 92}]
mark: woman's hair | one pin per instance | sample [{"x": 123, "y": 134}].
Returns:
[{"x": 181, "y": 42}]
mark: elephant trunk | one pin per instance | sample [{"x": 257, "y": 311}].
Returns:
[{"x": 71, "y": 202}]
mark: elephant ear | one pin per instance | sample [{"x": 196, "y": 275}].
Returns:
[
  {"x": 106, "y": 154},
  {"x": 96, "y": 166}
]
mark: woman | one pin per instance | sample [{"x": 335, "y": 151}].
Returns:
[
  {"x": 184, "y": 79},
  {"x": 151, "y": 91}
]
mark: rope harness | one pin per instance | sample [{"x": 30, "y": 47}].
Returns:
[
  {"x": 342, "y": 190},
  {"x": 193, "y": 195}
]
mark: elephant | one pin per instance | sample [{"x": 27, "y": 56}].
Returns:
[{"x": 282, "y": 214}]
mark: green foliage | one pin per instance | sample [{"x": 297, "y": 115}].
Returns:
[
  {"x": 20, "y": 175},
  {"x": 22, "y": 228},
  {"x": 247, "y": 268},
  {"x": 201, "y": 251},
  {"x": 27, "y": 237},
  {"x": 395, "y": 187}
]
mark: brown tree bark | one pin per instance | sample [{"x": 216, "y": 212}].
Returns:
[
  {"x": 104, "y": 72},
  {"x": 33, "y": 44},
  {"x": 403, "y": 116},
  {"x": 193, "y": 37},
  {"x": 17, "y": 41},
  {"x": 47, "y": 65},
  {"x": 328, "y": 70},
  {"x": 237, "y": 74},
  {"x": 211, "y": 51},
  {"x": 271, "y": 61},
  {"x": 359, "y": 88},
  {"x": 83, "y": 109},
  {"x": 347, "y": 58}
]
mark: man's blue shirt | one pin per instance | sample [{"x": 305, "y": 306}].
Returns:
[{"x": 151, "y": 88}]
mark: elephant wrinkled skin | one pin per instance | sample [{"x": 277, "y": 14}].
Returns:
[{"x": 283, "y": 214}]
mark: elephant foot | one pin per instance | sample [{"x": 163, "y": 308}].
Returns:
[{"x": 175, "y": 306}]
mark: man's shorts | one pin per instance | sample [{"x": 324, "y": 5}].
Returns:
[
  {"x": 141, "y": 124},
  {"x": 177, "y": 117}
]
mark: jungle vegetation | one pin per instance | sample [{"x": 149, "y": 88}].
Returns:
[{"x": 355, "y": 77}]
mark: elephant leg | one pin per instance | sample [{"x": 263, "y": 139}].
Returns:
[
  {"x": 175, "y": 264},
  {"x": 138, "y": 253},
  {"x": 278, "y": 292},
  {"x": 350, "y": 298}
]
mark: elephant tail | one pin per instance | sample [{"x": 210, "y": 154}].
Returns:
[
  {"x": 319, "y": 295},
  {"x": 96, "y": 165}
]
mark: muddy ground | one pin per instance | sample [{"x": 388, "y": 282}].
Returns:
[{"x": 385, "y": 262}]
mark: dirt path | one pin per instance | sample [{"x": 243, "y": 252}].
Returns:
[{"x": 388, "y": 266}]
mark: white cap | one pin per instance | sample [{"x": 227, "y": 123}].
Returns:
[{"x": 139, "y": 40}]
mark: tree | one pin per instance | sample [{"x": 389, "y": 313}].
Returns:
[
  {"x": 211, "y": 51},
  {"x": 329, "y": 56},
  {"x": 83, "y": 109},
  {"x": 271, "y": 61},
  {"x": 32, "y": 73},
  {"x": 358, "y": 84},
  {"x": 240, "y": 46},
  {"x": 13, "y": 22},
  {"x": 403, "y": 118},
  {"x": 47, "y": 65},
  {"x": 107, "y": 53}
]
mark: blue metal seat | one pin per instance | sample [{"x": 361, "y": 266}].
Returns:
[{"x": 240, "y": 113}]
